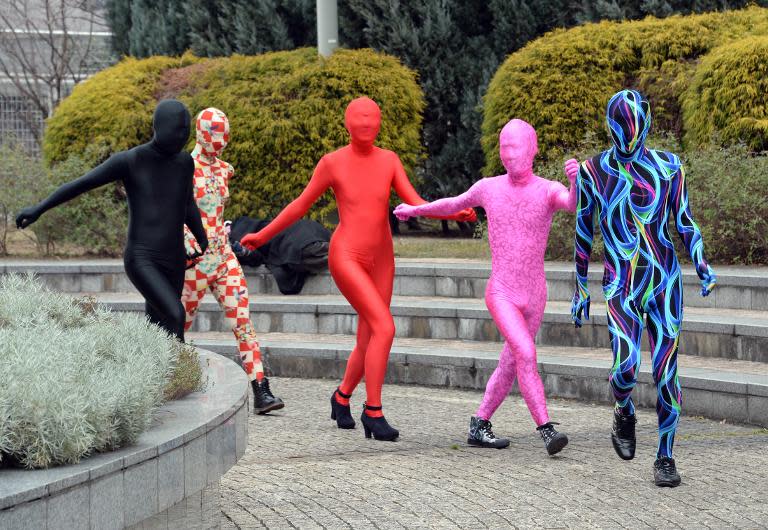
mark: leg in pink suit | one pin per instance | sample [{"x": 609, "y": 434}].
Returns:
[{"x": 519, "y": 206}]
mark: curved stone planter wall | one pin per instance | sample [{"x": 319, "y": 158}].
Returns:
[{"x": 169, "y": 479}]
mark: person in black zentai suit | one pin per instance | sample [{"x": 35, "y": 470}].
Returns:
[{"x": 158, "y": 182}]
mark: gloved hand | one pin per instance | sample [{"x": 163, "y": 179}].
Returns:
[
  {"x": 709, "y": 281},
  {"x": 580, "y": 305},
  {"x": 571, "y": 169},
  {"x": 27, "y": 216},
  {"x": 403, "y": 212},
  {"x": 251, "y": 241},
  {"x": 468, "y": 215},
  {"x": 193, "y": 259}
]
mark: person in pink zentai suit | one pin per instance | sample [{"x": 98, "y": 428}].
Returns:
[{"x": 519, "y": 207}]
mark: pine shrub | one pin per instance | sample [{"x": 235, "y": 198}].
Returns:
[
  {"x": 728, "y": 97},
  {"x": 286, "y": 110},
  {"x": 561, "y": 82}
]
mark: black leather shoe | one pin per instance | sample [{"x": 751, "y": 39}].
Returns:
[
  {"x": 378, "y": 427},
  {"x": 341, "y": 413},
  {"x": 263, "y": 400},
  {"x": 623, "y": 435},
  {"x": 481, "y": 434},
  {"x": 554, "y": 441},
  {"x": 665, "y": 473}
]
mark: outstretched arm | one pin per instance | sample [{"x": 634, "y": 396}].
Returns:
[
  {"x": 583, "y": 245},
  {"x": 114, "y": 168},
  {"x": 408, "y": 195},
  {"x": 561, "y": 198},
  {"x": 445, "y": 206},
  {"x": 320, "y": 181},
  {"x": 689, "y": 232}
]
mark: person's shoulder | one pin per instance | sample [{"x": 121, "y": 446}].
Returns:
[{"x": 668, "y": 159}]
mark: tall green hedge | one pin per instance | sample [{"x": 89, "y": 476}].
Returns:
[
  {"x": 286, "y": 109},
  {"x": 561, "y": 82},
  {"x": 728, "y": 95}
]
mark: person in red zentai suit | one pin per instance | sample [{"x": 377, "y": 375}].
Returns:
[{"x": 361, "y": 259}]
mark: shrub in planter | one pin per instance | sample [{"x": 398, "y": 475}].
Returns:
[{"x": 77, "y": 378}]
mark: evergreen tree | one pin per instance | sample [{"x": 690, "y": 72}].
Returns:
[{"x": 119, "y": 18}]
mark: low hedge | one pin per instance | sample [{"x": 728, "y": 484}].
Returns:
[
  {"x": 726, "y": 188},
  {"x": 561, "y": 82},
  {"x": 286, "y": 109}
]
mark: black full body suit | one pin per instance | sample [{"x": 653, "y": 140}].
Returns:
[{"x": 158, "y": 181}]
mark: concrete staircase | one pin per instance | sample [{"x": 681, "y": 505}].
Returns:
[{"x": 445, "y": 335}]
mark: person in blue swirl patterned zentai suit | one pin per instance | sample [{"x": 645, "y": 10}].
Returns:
[{"x": 635, "y": 191}]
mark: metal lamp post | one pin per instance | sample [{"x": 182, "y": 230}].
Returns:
[{"x": 327, "y": 27}]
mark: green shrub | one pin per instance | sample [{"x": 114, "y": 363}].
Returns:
[
  {"x": 112, "y": 109},
  {"x": 725, "y": 188},
  {"x": 95, "y": 223},
  {"x": 728, "y": 96},
  {"x": 286, "y": 109},
  {"x": 561, "y": 82},
  {"x": 76, "y": 377}
]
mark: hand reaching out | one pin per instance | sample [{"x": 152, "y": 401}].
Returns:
[
  {"x": 571, "y": 169},
  {"x": 27, "y": 216},
  {"x": 251, "y": 241},
  {"x": 403, "y": 212}
]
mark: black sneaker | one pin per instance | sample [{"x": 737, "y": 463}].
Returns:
[
  {"x": 554, "y": 441},
  {"x": 665, "y": 473},
  {"x": 263, "y": 400},
  {"x": 623, "y": 435},
  {"x": 481, "y": 434}
]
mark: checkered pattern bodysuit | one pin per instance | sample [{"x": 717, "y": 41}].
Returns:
[{"x": 218, "y": 269}]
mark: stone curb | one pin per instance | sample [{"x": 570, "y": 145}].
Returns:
[
  {"x": 719, "y": 395},
  {"x": 710, "y": 335},
  {"x": 737, "y": 288},
  {"x": 175, "y": 464}
]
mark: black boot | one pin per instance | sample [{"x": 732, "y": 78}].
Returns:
[
  {"x": 341, "y": 413},
  {"x": 263, "y": 400},
  {"x": 623, "y": 435},
  {"x": 481, "y": 435},
  {"x": 554, "y": 441},
  {"x": 379, "y": 427},
  {"x": 665, "y": 473}
]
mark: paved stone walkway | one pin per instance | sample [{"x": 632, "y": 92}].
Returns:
[{"x": 302, "y": 472}]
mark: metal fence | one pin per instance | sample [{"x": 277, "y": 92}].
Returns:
[{"x": 18, "y": 119}]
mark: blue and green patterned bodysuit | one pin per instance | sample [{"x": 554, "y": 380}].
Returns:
[{"x": 635, "y": 191}]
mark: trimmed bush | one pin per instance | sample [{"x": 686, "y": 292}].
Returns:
[
  {"x": 286, "y": 109},
  {"x": 726, "y": 187},
  {"x": 561, "y": 82},
  {"x": 729, "y": 94},
  {"x": 76, "y": 377}
]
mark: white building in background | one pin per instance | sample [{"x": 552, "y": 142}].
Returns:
[{"x": 46, "y": 47}]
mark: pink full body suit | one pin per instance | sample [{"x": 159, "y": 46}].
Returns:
[{"x": 519, "y": 207}]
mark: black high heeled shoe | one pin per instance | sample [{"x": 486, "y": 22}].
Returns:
[
  {"x": 378, "y": 427},
  {"x": 341, "y": 413}
]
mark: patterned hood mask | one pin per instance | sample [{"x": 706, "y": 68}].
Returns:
[
  {"x": 170, "y": 124},
  {"x": 629, "y": 118},
  {"x": 212, "y": 132}
]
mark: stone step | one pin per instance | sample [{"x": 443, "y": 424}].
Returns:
[
  {"x": 715, "y": 388},
  {"x": 738, "y": 287},
  {"x": 722, "y": 333}
]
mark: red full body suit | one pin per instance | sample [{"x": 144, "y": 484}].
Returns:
[{"x": 361, "y": 259}]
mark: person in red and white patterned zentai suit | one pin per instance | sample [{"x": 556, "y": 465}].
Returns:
[{"x": 218, "y": 268}]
